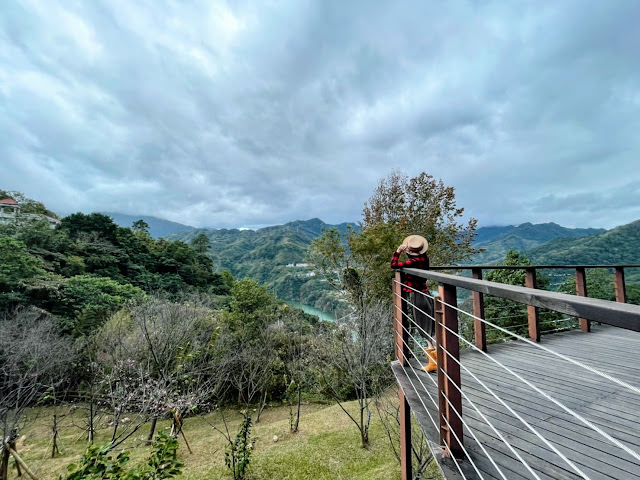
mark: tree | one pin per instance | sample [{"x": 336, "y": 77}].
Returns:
[
  {"x": 17, "y": 266},
  {"x": 160, "y": 358},
  {"x": 87, "y": 302},
  {"x": 34, "y": 360},
  {"x": 140, "y": 226},
  {"x": 353, "y": 360},
  {"x": 425, "y": 206},
  {"x": 400, "y": 206},
  {"x": 200, "y": 243}
]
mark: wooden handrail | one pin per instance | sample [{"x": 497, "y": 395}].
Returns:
[
  {"x": 522, "y": 267},
  {"x": 618, "y": 314}
]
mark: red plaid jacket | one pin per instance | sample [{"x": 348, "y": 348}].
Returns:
[{"x": 413, "y": 261}]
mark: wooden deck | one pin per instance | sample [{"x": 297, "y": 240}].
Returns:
[{"x": 611, "y": 407}]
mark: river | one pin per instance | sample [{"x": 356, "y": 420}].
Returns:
[{"x": 313, "y": 311}]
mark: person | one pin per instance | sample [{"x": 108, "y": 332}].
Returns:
[{"x": 416, "y": 292}]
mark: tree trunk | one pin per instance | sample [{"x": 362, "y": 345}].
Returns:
[
  {"x": 116, "y": 424},
  {"x": 90, "y": 424},
  {"x": 4, "y": 463},
  {"x": 297, "y": 423},
  {"x": 54, "y": 447},
  {"x": 152, "y": 430},
  {"x": 262, "y": 405}
]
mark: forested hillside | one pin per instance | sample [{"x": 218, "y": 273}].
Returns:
[
  {"x": 273, "y": 256},
  {"x": 497, "y": 241},
  {"x": 620, "y": 245},
  {"x": 87, "y": 267},
  {"x": 129, "y": 331}
]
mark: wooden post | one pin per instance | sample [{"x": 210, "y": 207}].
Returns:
[
  {"x": 532, "y": 312},
  {"x": 581, "y": 290},
  {"x": 55, "y": 448},
  {"x": 620, "y": 287},
  {"x": 479, "y": 328},
  {"x": 405, "y": 437},
  {"x": 450, "y": 396},
  {"x": 397, "y": 318}
]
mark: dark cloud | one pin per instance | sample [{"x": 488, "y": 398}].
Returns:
[{"x": 238, "y": 113}]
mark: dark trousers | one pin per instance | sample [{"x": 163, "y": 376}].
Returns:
[{"x": 423, "y": 310}]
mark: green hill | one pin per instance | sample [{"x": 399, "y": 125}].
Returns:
[
  {"x": 523, "y": 238},
  {"x": 273, "y": 256},
  {"x": 620, "y": 245}
]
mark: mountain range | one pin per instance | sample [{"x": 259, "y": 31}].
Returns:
[{"x": 273, "y": 255}]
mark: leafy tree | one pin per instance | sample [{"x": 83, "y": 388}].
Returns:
[
  {"x": 400, "y": 206},
  {"x": 425, "y": 206},
  {"x": 89, "y": 301},
  {"x": 252, "y": 309},
  {"x": 140, "y": 226},
  {"x": 17, "y": 266},
  {"x": 200, "y": 243}
]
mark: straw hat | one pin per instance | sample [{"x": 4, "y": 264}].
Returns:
[{"x": 416, "y": 244}]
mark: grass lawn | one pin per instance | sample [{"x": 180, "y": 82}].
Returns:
[{"x": 326, "y": 447}]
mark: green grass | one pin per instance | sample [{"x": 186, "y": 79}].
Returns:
[{"x": 326, "y": 447}]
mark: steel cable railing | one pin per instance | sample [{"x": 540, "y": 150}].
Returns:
[
  {"x": 469, "y": 429},
  {"x": 429, "y": 395},
  {"x": 546, "y": 395},
  {"x": 416, "y": 341}
]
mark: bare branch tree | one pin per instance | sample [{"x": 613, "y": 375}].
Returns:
[
  {"x": 356, "y": 356},
  {"x": 33, "y": 361}
]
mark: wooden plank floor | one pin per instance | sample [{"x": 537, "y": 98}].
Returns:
[{"x": 613, "y": 408}]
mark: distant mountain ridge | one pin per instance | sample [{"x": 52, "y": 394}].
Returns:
[
  {"x": 497, "y": 241},
  {"x": 273, "y": 255},
  {"x": 158, "y": 227},
  {"x": 620, "y": 245}
]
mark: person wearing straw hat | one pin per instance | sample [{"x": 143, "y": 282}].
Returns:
[{"x": 416, "y": 292}]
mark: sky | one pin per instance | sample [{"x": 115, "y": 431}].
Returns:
[{"x": 253, "y": 113}]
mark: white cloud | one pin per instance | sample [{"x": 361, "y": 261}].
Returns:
[{"x": 239, "y": 114}]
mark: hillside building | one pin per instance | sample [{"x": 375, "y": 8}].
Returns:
[{"x": 11, "y": 212}]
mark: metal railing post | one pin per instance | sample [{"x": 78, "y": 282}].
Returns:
[
  {"x": 620, "y": 287},
  {"x": 479, "y": 328},
  {"x": 533, "y": 315},
  {"x": 449, "y": 385},
  {"x": 581, "y": 290}
]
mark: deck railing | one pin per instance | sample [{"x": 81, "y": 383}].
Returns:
[
  {"x": 531, "y": 275},
  {"x": 450, "y": 422}
]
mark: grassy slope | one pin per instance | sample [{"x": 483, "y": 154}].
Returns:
[{"x": 327, "y": 447}]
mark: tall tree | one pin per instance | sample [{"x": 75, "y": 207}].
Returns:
[
  {"x": 425, "y": 206},
  {"x": 400, "y": 206},
  {"x": 200, "y": 243},
  {"x": 17, "y": 266}
]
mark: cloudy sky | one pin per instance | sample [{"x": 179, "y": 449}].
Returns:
[{"x": 251, "y": 113}]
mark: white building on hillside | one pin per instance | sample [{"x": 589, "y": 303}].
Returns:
[{"x": 10, "y": 212}]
